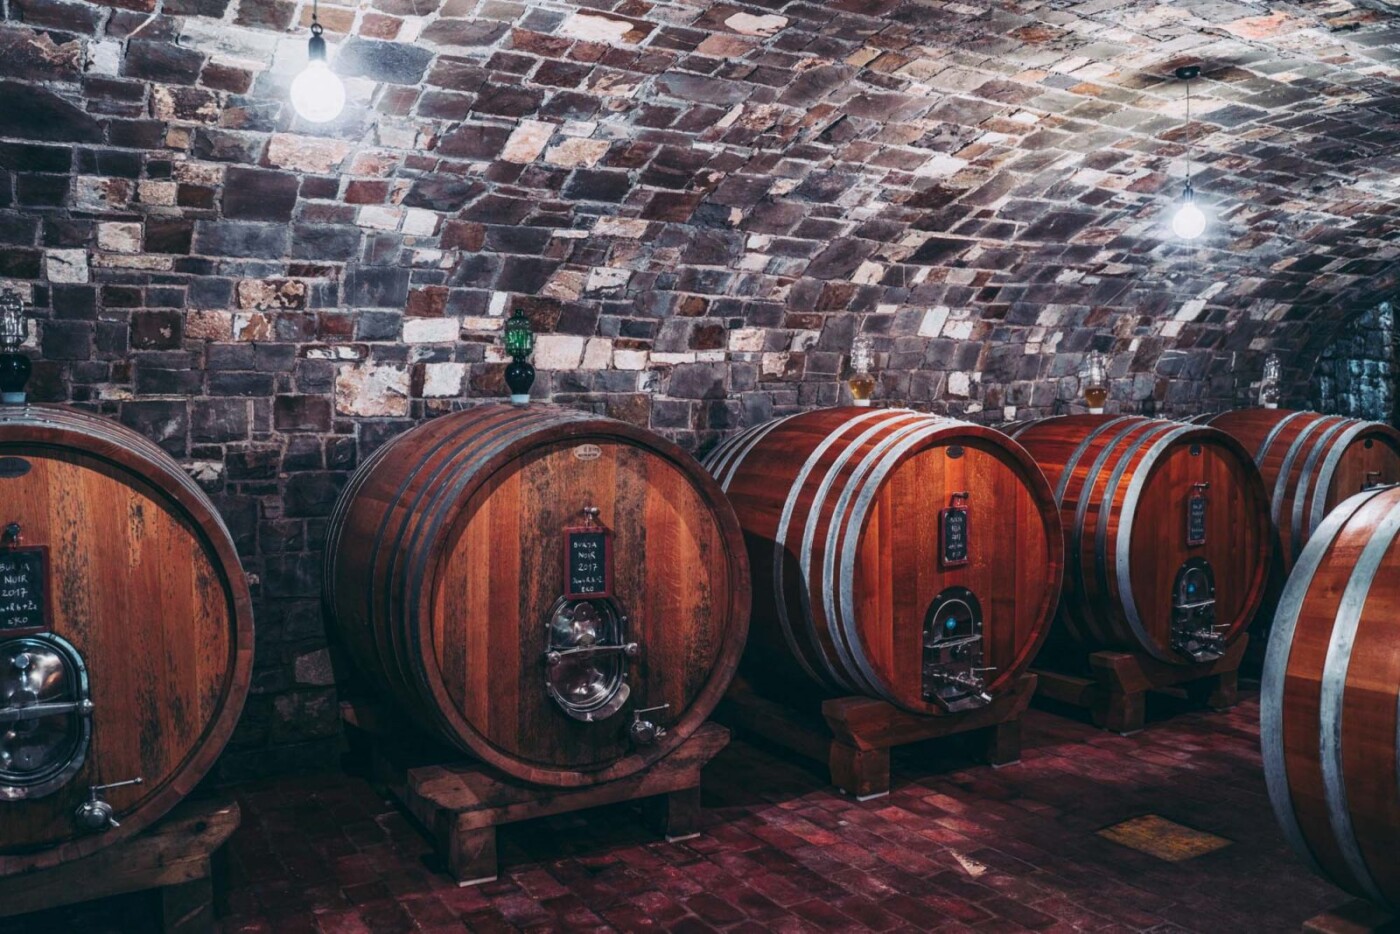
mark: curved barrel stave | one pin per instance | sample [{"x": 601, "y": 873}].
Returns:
[
  {"x": 896, "y": 555},
  {"x": 541, "y": 588},
  {"x": 125, "y": 615},
  {"x": 1167, "y": 534},
  {"x": 1330, "y": 728}
]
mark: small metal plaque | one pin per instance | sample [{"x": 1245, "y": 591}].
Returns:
[
  {"x": 23, "y": 589},
  {"x": 953, "y": 529},
  {"x": 587, "y": 563},
  {"x": 588, "y": 452},
  {"x": 13, "y": 467},
  {"x": 1196, "y": 518}
]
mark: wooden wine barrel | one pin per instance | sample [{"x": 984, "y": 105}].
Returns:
[
  {"x": 1167, "y": 533},
  {"x": 126, "y": 633},
  {"x": 1310, "y": 462},
  {"x": 449, "y": 556},
  {"x": 896, "y": 555},
  {"x": 1329, "y": 726}
]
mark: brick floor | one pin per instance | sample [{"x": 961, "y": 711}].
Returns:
[{"x": 953, "y": 848}]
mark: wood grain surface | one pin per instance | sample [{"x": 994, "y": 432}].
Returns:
[
  {"x": 1329, "y": 703},
  {"x": 445, "y": 561},
  {"x": 840, "y": 509},
  {"x": 147, "y": 587},
  {"x": 1310, "y": 462},
  {"x": 1123, "y": 483}
]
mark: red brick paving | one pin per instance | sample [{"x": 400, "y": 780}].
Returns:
[{"x": 953, "y": 848}]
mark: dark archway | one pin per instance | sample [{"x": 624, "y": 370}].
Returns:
[{"x": 1356, "y": 372}]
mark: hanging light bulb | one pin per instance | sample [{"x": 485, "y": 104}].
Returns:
[
  {"x": 1189, "y": 222},
  {"x": 317, "y": 93}
]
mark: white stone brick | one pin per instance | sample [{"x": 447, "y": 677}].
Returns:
[
  {"x": 630, "y": 359},
  {"x": 933, "y": 322},
  {"x": 527, "y": 141},
  {"x": 443, "y": 380},
  {"x": 747, "y": 340},
  {"x": 66, "y": 265},
  {"x": 306, "y": 153},
  {"x": 597, "y": 354},
  {"x": 558, "y": 351},
  {"x": 379, "y": 217},
  {"x": 774, "y": 364},
  {"x": 162, "y": 193},
  {"x": 104, "y": 58},
  {"x": 959, "y": 384},
  {"x": 869, "y": 273},
  {"x": 430, "y": 330},
  {"x": 119, "y": 237},
  {"x": 420, "y": 223},
  {"x": 593, "y": 28},
  {"x": 748, "y": 24},
  {"x": 1190, "y": 310},
  {"x": 372, "y": 390},
  {"x": 630, "y": 228},
  {"x": 606, "y": 278},
  {"x": 578, "y": 153}
]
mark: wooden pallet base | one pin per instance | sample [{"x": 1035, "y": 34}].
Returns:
[
  {"x": 179, "y": 858},
  {"x": 1355, "y": 917},
  {"x": 853, "y": 736},
  {"x": 1116, "y": 690},
  {"x": 461, "y": 804}
]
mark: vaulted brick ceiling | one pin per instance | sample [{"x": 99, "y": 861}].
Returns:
[
  {"x": 987, "y": 184},
  {"x": 1013, "y": 163}
]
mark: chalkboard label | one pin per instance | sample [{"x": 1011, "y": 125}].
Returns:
[
  {"x": 587, "y": 563},
  {"x": 953, "y": 525},
  {"x": 23, "y": 588},
  {"x": 1196, "y": 519},
  {"x": 12, "y": 467}
]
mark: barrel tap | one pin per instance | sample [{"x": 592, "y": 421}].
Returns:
[{"x": 96, "y": 813}]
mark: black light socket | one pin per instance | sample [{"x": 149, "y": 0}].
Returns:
[
  {"x": 1187, "y": 72},
  {"x": 316, "y": 46}
]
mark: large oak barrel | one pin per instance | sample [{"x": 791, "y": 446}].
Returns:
[
  {"x": 1167, "y": 534},
  {"x": 1310, "y": 463},
  {"x": 1331, "y": 688},
  {"x": 126, "y": 634},
  {"x": 543, "y": 588},
  {"x": 896, "y": 555}
]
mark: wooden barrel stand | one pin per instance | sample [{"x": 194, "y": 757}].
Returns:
[
  {"x": 1354, "y": 917},
  {"x": 1115, "y": 691},
  {"x": 853, "y": 736},
  {"x": 179, "y": 859},
  {"x": 461, "y": 803}
]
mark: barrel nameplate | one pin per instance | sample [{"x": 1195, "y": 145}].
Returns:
[
  {"x": 23, "y": 589},
  {"x": 588, "y": 452},
  {"x": 1196, "y": 505},
  {"x": 12, "y": 468},
  {"x": 954, "y": 531},
  {"x": 587, "y": 563}
]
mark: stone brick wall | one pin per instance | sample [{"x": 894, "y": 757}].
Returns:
[
  {"x": 1356, "y": 373},
  {"x": 699, "y": 206}
]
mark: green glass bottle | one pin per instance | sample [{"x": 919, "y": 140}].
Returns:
[{"x": 520, "y": 343}]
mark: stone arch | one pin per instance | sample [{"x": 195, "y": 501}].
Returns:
[{"x": 1354, "y": 371}]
